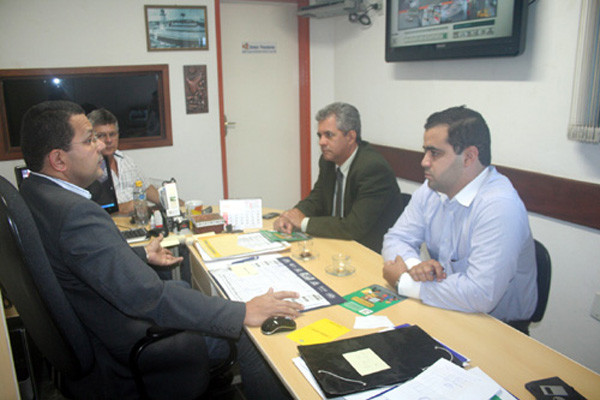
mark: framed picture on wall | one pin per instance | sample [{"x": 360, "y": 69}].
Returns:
[
  {"x": 196, "y": 96},
  {"x": 176, "y": 28}
]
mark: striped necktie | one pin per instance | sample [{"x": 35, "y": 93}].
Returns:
[{"x": 339, "y": 182}]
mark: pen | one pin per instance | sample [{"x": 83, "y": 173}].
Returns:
[
  {"x": 384, "y": 392},
  {"x": 243, "y": 260}
]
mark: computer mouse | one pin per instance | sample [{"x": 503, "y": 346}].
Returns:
[{"x": 277, "y": 324}]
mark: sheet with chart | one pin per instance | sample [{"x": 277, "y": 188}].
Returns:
[{"x": 243, "y": 280}]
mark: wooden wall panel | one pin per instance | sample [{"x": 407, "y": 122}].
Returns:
[{"x": 564, "y": 199}]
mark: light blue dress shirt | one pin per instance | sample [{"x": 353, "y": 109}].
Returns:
[{"x": 482, "y": 239}]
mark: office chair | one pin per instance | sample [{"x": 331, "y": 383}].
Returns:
[
  {"x": 28, "y": 280},
  {"x": 544, "y": 275},
  {"x": 405, "y": 198}
]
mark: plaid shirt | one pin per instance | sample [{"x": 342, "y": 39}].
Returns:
[{"x": 128, "y": 174}]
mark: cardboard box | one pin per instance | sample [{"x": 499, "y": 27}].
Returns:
[{"x": 207, "y": 223}]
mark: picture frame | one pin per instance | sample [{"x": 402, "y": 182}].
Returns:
[
  {"x": 196, "y": 92},
  {"x": 176, "y": 28}
]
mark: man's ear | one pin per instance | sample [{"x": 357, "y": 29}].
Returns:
[
  {"x": 471, "y": 155},
  {"x": 56, "y": 160},
  {"x": 352, "y": 135}
]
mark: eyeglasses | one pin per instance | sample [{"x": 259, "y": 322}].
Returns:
[
  {"x": 93, "y": 139},
  {"x": 103, "y": 135}
]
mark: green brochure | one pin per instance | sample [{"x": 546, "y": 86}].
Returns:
[
  {"x": 371, "y": 299},
  {"x": 275, "y": 236}
]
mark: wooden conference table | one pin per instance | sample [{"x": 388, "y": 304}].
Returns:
[{"x": 505, "y": 354}]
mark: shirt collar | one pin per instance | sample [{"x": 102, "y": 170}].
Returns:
[
  {"x": 66, "y": 185},
  {"x": 345, "y": 167},
  {"x": 467, "y": 194},
  {"x": 118, "y": 153}
]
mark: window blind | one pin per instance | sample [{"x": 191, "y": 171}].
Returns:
[{"x": 584, "y": 124}]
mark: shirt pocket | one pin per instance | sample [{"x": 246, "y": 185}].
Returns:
[{"x": 459, "y": 265}]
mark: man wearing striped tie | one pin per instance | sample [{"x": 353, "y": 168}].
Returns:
[{"x": 356, "y": 195}]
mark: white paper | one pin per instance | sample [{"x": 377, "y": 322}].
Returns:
[
  {"x": 269, "y": 273},
  {"x": 373, "y": 321},
  {"x": 444, "y": 381}
]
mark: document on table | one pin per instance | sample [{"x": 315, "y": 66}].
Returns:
[
  {"x": 447, "y": 381},
  {"x": 229, "y": 246},
  {"x": 243, "y": 280},
  {"x": 442, "y": 381}
]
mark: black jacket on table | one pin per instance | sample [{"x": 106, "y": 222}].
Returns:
[
  {"x": 116, "y": 295},
  {"x": 372, "y": 201}
]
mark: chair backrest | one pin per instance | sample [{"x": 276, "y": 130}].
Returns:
[
  {"x": 30, "y": 283},
  {"x": 405, "y": 198},
  {"x": 544, "y": 275}
]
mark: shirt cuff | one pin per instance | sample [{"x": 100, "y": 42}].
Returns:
[
  {"x": 304, "y": 224},
  {"x": 406, "y": 285}
]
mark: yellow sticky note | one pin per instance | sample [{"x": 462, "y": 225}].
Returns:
[
  {"x": 321, "y": 331},
  {"x": 365, "y": 361},
  {"x": 245, "y": 269}
]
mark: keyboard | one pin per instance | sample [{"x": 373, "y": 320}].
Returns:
[{"x": 135, "y": 235}]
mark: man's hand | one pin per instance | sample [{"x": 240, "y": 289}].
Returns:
[
  {"x": 289, "y": 220},
  {"x": 428, "y": 271},
  {"x": 393, "y": 269},
  {"x": 282, "y": 224},
  {"x": 271, "y": 304},
  {"x": 159, "y": 256}
]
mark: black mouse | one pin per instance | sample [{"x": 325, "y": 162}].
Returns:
[{"x": 277, "y": 324}]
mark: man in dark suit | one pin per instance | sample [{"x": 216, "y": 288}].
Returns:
[
  {"x": 356, "y": 195},
  {"x": 111, "y": 287}
]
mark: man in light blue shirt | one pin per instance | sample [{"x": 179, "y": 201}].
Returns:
[{"x": 473, "y": 224}]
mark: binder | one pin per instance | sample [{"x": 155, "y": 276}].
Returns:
[{"x": 406, "y": 351}]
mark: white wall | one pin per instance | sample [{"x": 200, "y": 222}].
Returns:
[
  {"x": 71, "y": 33},
  {"x": 526, "y": 102}
]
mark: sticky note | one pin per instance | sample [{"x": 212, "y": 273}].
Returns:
[
  {"x": 322, "y": 331},
  {"x": 365, "y": 361}
]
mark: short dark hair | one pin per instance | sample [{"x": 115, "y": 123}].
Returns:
[
  {"x": 347, "y": 117},
  {"x": 102, "y": 116},
  {"x": 45, "y": 127},
  {"x": 465, "y": 128}
]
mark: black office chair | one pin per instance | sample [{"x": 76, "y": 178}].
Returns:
[
  {"x": 405, "y": 198},
  {"x": 544, "y": 276},
  {"x": 28, "y": 280}
]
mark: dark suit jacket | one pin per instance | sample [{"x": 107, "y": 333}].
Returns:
[
  {"x": 372, "y": 201},
  {"x": 116, "y": 295}
]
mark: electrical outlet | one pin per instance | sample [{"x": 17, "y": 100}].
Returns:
[{"x": 596, "y": 307}]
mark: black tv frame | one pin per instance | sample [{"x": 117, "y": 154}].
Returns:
[{"x": 497, "y": 47}]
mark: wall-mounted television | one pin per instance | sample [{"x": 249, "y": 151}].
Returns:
[{"x": 446, "y": 29}]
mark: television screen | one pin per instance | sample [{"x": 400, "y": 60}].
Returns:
[{"x": 441, "y": 29}]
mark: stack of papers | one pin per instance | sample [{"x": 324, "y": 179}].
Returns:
[
  {"x": 245, "y": 278},
  {"x": 230, "y": 246},
  {"x": 441, "y": 381}
]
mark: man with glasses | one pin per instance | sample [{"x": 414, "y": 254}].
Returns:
[
  {"x": 124, "y": 171},
  {"x": 356, "y": 195},
  {"x": 110, "y": 285}
]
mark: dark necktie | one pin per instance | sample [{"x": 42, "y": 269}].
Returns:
[{"x": 339, "y": 182}]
